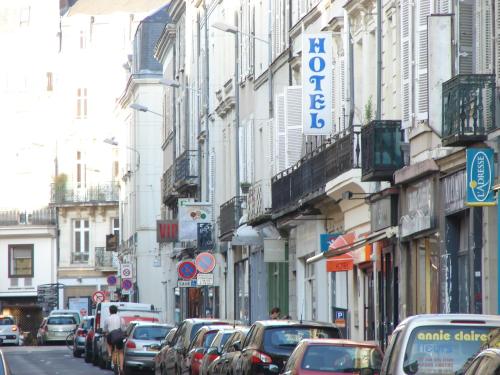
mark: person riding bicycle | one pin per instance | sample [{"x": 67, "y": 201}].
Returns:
[{"x": 114, "y": 327}]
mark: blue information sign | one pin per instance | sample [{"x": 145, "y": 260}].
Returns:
[
  {"x": 326, "y": 240},
  {"x": 480, "y": 177}
]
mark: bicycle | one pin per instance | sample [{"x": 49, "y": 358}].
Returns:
[
  {"x": 115, "y": 362},
  {"x": 70, "y": 340}
]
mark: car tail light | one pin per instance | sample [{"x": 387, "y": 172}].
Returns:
[
  {"x": 198, "y": 357},
  {"x": 98, "y": 320},
  {"x": 212, "y": 357},
  {"x": 258, "y": 357},
  {"x": 80, "y": 333},
  {"x": 131, "y": 344},
  {"x": 14, "y": 328}
]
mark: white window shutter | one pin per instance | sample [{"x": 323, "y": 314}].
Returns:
[
  {"x": 422, "y": 92},
  {"x": 212, "y": 178},
  {"x": 484, "y": 48},
  {"x": 465, "y": 34},
  {"x": 293, "y": 121},
  {"x": 406, "y": 76},
  {"x": 250, "y": 151},
  {"x": 271, "y": 149},
  {"x": 342, "y": 106},
  {"x": 280, "y": 133},
  {"x": 243, "y": 152},
  {"x": 444, "y": 7}
]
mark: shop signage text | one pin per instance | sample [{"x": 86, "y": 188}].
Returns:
[
  {"x": 480, "y": 177},
  {"x": 453, "y": 188},
  {"x": 167, "y": 231},
  {"x": 419, "y": 208}
]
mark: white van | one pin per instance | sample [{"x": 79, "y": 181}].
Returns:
[
  {"x": 129, "y": 311},
  {"x": 436, "y": 344}
]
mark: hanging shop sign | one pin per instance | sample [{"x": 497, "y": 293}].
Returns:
[
  {"x": 317, "y": 116},
  {"x": 453, "y": 191},
  {"x": 480, "y": 177},
  {"x": 384, "y": 213},
  {"x": 190, "y": 215},
  {"x": 419, "y": 208},
  {"x": 167, "y": 231},
  {"x": 205, "y": 239}
]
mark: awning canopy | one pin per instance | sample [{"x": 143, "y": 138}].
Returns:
[
  {"x": 348, "y": 247},
  {"x": 344, "y": 262}
]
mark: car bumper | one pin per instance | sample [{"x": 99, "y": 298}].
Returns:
[
  {"x": 80, "y": 343},
  {"x": 9, "y": 339},
  {"x": 140, "y": 361},
  {"x": 56, "y": 336}
]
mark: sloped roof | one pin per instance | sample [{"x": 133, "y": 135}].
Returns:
[{"x": 96, "y": 7}]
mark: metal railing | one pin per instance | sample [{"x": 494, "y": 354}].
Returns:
[
  {"x": 103, "y": 258},
  {"x": 79, "y": 257},
  {"x": 259, "y": 199},
  {"x": 186, "y": 169},
  {"x": 44, "y": 216},
  {"x": 468, "y": 109},
  {"x": 311, "y": 173},
  {"x": 168, "y": 184},
  {"x": 381, "y": 143},
  {"x": 102, "y": 193},
  {"x": 230, "y": 215}
]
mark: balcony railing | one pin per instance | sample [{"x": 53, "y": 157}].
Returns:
[
  {"x": 103, "y": 193},
  {"x": 44, "y": 216},
  {"x": 311, "y": 173},
  {"x": 103, "y": 258},
  {"x": 381, "y": 144},
  {"x": 230, "y": 215},
  {"x": 468, "y": 109},
  {"x": 168, "y": 185},
  {"x": 259, "y": 200},
  {"x": 186, "y": 170},
  {"x": 79, "y": 257}
]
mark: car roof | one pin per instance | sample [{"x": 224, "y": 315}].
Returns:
[
  {"x": 60, "y": 316},
  {"x": 436, "y": 319},
  {"x": 151, "y": 324},
  {"x": 339, "y": 342},
  {"x": 6, "y": 316},
  {"x": 293, "y": 323}
]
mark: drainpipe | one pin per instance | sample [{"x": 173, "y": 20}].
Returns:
[
  {"x": 379, "y": 60},
  {"x": 351, "y": 73}
]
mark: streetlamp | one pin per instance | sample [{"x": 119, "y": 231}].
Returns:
[
  {"x": 113, "y": 142},
  {"x": 141, "y": 108}
]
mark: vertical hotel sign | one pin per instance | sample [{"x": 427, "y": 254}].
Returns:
[
  {"x": 480, "y": 177},
  {"x": 317, "y": 84}
]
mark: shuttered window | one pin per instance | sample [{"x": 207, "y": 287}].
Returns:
[
  {"x": 405, "y": 63},
  {"x": 465, "y": 34},
  {"x": 293, "y": 121}
]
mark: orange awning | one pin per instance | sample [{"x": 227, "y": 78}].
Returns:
[
  {"x": 344, "y": 262},
  {"x": 364, "y": 253}
]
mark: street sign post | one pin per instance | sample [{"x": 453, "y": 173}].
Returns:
[
  {"x": 203, "y": 279},
  {"x": 112, "y": 280},
  {"x": 205, "y": 262},
  {"x": 186, "y": 270},
  {"x": 98, "y": 296},
  {"x": 187, "y": 283},
  {"x": 126, "y": 271},
  {"x": 127, "y": 284}
]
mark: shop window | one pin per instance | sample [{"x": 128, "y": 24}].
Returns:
[
  {"x": 310, "y": 288},
  {"x": 21, "y": 261},
  {"x": 426, "y": 275}
]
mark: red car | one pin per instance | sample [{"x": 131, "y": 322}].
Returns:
[
  {"x": 199, "y": 346},
  {"x": 334, "y": 356}
]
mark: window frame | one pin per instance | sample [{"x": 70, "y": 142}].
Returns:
[{"x": 11, "y": 248}]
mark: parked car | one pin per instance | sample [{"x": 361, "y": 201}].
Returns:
[
  {"x": 41, "y": 331},
  {"x": 317, "y": 356},
  {"x": 74, "y": 313},
  {"x": 199, "y": 347},
  {"x": 223, "y": 353},
  {"x": 142, "y": 344},
  {"x": 436, "y": 343},
  {"x": 269, "y": 343},
  {"x": 57, "y": 328},
  {"x": 9, "y": 331},
  {"x": 165, "y": 344},
  {"x": 174, "y": 358},
  {"x": 4, "y": 367},
  {"x": 485, "y": 363},
  {"x": 129, "y": 311},
  {"x": 89, "y": 339},
  {"x": 80, "y": 339}
]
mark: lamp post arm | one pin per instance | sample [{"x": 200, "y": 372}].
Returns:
[{"x": 138, "y": 155}]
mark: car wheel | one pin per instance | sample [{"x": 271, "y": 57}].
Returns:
[
  {"x": 102, "y": 363},
  {"x": 77, "y": 353},
  {"x": 87, "y": 356}
]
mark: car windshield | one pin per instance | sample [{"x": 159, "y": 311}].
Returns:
[
  {"x": 87, "y": 324},
  {"x": 282, "y": 340},
  {"x": 443, "y": 349},
  {"x": 209, "y": 337},
  {"x": 61, "y": 320},
  {"x": 6, "y": 321},
  {"x": 150, "y": 333},
  {"x": 334, "y": 358}
]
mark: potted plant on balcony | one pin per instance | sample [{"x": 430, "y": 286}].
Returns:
[
  {"x": 245, "y": 186},
  {"x": 60, "y": 182}
]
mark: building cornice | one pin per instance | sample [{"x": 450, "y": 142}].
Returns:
[
  {"x": 176, "y": 9},
  {"x": 165, "y": 41},
  {"x": 133, "y": 82}
]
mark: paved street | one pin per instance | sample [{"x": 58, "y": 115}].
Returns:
[{"x": 47, "y": 360}]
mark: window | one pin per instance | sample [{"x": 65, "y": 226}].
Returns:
[
  {"x": 115, "y": 227},
  {"x": 81, "y": 241},
  {"x": 81, "y": 103},
  {"x": 82, "y": 40},
  {"x": 20, "y": 261},
  {"x": 79, "y": 169},
  {"x": 49, "y": 81},
  {"x": 310, "y": 289}
]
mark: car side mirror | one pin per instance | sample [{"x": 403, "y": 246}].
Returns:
[
  {"x": 237, "y": 346},
  {"x": 411, "y": 368},
  {"x": 213, "y": 350}
]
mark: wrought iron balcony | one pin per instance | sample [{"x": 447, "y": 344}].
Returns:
[
  {"x": 79, "y": 257},
  {"x": 169, "y": 194},
  {"x": 104, "y": 259},
  {"x": 259, "y": 201},
  {"x": 468, "y": 109},
  {"x": 44, "y": 216},
  {"x": 186, "y": 170},
  {"x": 382, "y": 155},
  {"x": 230, "y": 215},
  {"x": 310, "y": 174},
  {"x": 103, "y": 193}
]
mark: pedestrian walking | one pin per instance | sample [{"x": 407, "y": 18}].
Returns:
[{"x": 275, "y": 313}]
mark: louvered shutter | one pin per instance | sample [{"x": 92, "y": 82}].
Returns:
[
  {"x": 423, "y": 11},
  {"x": 484, "y": 48},
  {"x": 465, "y": 34},
  {"x": 271, "y": 149},
  {"x": 497, "y": 40},
  {"x": 444, "y": 6},
  {"x": 293, "y": 121},
  {"x": 334, "y": 99},
  {"x": 280, "y": 133},
  {"x": 243, "y": 152},
  {"x": 342, "y": 106},
  {"x": 406, "y": 77},
  {"x": 250, "y": 152}
]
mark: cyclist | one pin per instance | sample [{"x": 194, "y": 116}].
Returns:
[{"x": 114, "y": 327}]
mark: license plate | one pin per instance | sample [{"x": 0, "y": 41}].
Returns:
[
  {"x": 3, "y": 337},
  {"x": 149, "y": 349}
]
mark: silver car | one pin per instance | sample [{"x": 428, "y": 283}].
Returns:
[
  {"x": 142, "y": 344},
  {"x": 9, "y": 331},
  {"x": 58, "y": 328}
]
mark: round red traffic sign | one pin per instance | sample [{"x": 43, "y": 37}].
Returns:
[
  {"x": 98, "y": 296},
  {"x": 127, "y": 284},
  {"x": 205, "y": 262},
  {"x": 186, "y": 270}
]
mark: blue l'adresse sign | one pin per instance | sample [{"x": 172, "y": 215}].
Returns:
[
  {"x": 326, "y": 240},
  {"x": 480, "y": 177}
]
